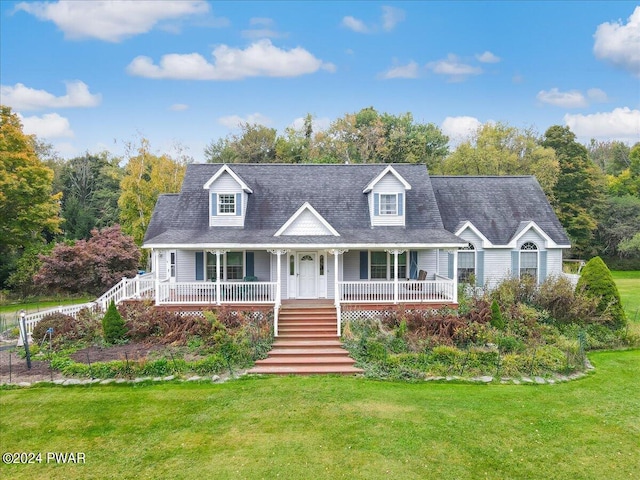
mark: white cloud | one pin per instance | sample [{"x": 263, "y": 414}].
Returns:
[
  {"x": 317, "y": 124},
  {"x": 459, "y": 129},
  {"x": 391, "y": 16},
  {"x": 50, "y": 125},
  {"x": 233, "y": 121},
  {"x": 21, "y": 97},
  {"x": 260, "y": 59},
  {"x": 487, "y": 57},
  {"x": 597, "y": 95},
  {"x": 264, "y": 30},
  {"x": 354, "y": 24},
  {"x": 111, "y": 21},
  {"x": 620, "y": 124},
  {"x": 178, "y": 107},
  {"x": 619, "y": 44},
  {"x": 571, "y": 99},
  {"x": 453, "y": 68},
  {"x": 410, "y": 70}
]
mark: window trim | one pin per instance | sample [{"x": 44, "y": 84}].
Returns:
[
  {"x": 220, "y": 204},
  {"x": 385, "y": 213},
  {"x": 470, "y": 248},
  {"x": 224, "y": 266},
  {"x": 389, "y": 266},
  {"x": 529, "y": 248}
]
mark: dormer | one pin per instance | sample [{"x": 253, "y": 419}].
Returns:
[
  {"x": 387, "y": 198},
  {"x": 228, "y": 196}
]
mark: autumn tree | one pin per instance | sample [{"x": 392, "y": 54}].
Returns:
[
  {"x": 579, "y": 192},
  {"x": 90, "y": 266},
  {"x": 254, "y": 144},
  {"x": 500, "y": 149},
  {"x": 146, "y": 176},
  {"x": 28, "y": 207}
]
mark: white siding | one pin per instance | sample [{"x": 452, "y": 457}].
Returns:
[
  {"x": 470, "y": 236},
  {"x": 185, "y": 266},
  {"x": 531, "y": 236},
  {"x": 351, "y": 266},
  {"x": 554, "y": 262},
  {"x": 497, "y": 266},
  {"x": 427, "y": 262},
  {"x": 387, "y": 184},
  {"x": 225, "y": 184},
  {"x": 307, "y": 224},
  {"x": 161, "y": 268},
  {"x": 262, "y": 266}
]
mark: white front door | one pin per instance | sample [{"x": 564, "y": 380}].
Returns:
[
  {"x": 171, "y": 266},
  {"x": 307, "y": 287}
]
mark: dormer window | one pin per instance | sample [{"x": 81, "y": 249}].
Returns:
[
  {"x": 388, "y": 204},
  {"x": 226, "y": 204}
]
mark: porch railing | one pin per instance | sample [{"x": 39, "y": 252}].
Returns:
[
  {"x": 415, "y": 291},
  {"x": 206, "y": 292},
  {"x": 140, "y": 286}
]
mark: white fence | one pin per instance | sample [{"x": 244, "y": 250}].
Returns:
[{"x": 415, "y": 291}]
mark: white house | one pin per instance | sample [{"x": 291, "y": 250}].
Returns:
[{"x": 360, "y": 236}]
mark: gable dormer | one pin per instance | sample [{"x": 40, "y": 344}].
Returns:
[
  {"x": 228, "y": 196},
  {"x": 387, "y": 198}
]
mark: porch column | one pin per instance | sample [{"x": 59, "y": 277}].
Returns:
[
  {"x": 336, "y": 288},
  {"x": 156, "y": 267},
  {"x": 454, "y": 274},
  {"x": 219, "y": 254},
  {"x": 278, "y": 300},
  {"x": 395, "y": 273}
]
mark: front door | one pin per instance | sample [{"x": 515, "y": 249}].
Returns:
[
  {"x": 307, "y": 275},
  {"x": 171, "y": 266}
]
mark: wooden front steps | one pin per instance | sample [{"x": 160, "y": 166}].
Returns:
[{"x": 307, "y": 343}]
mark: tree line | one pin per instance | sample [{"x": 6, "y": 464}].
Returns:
[{"x": 46, "y": 201}]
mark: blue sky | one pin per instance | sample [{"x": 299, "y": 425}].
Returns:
[{"x": 90, "y": 76}]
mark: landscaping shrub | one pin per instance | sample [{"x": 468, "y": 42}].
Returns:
[
  {"x": 496, "y": 316},
  {"x": 85, "y": 327},
  {"x": 596, "y": 282},
  {"x": 565, "y": 303},
  {"x": 113, "y": 326}
]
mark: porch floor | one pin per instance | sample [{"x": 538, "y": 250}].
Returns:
[{"x": 307, "y": 342}]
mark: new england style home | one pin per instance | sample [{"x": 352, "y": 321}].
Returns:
[{"x": 360, "y": 237}]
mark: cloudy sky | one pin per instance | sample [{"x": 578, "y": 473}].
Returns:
[{"x": 96, "y": 75}]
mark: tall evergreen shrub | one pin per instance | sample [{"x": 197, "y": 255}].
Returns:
[
  {"x": 596, "y": 281},
  {"x": 113, "y": 326}
]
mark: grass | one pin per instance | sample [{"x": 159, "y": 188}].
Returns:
[
  {"x": 334, "y": 427},
  {"x": 10, "y": 313},
  {"x": 628, "y": 283}
]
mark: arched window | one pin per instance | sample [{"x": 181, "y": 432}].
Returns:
[
  {"x": 529, "y": 260},
  {"x": 466, "y": 263}
]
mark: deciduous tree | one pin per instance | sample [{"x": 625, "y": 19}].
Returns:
[{"x": 146, "y": 176}]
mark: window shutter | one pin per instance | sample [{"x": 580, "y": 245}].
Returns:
[
  {"x": 376, "y": 204},
  {"x": 543, "y": 266},
  {"x": 250, "y": 264},
  {"x": 214, "y": 204},
  {"x": 364, "y": 264},
  {"x": 452, "y": 274},
  {"x": 199, "y": 266},
  {"x": 413, "y": 264},
  {"x": 238, "y": 204},
  {"x": 515, "y": 264},
  {"x": 400, "y": 204},
  {"x": 480, "y": 268}
]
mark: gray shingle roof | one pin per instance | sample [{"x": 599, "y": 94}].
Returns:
[
  {"x": 497, "y": 206},
  {"x": 436, "y": 206},
  {"x": 335, "y": 191}
]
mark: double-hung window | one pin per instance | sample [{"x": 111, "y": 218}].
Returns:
[
  {"x": 388, "y": 204},
  {"x": 226, "y": 204},
  {"x": 529, "y": 260},
  {"x": 231, "y": 266},
  {"x": 383, "y": 266},
  {"x": 466, "y": 263}
]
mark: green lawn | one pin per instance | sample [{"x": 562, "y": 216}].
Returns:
[
  {"x": 333, "y": 427},
  {"x": 629, "y": 287}
]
